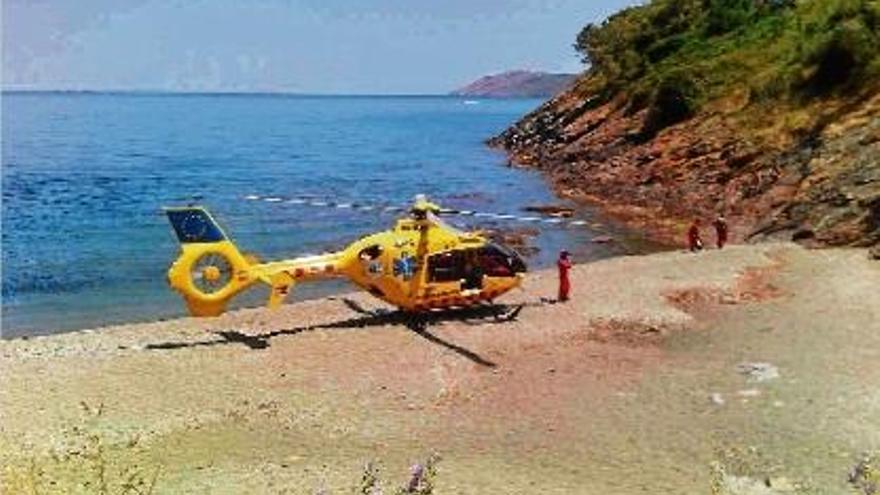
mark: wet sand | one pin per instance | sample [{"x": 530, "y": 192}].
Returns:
[{"x": 666, "y": 373}]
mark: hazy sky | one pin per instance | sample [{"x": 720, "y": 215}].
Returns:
[{"x": 314, "y": 46}]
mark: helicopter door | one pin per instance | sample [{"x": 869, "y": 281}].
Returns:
[
  {"x": 472, "y": 278},
  {"x": 461, "y": 267},
  {"x": 445, "y": 267}
]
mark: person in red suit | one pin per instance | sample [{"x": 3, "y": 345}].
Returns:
[
  {"x": 720, "y": 225},
  {"x": 564, "y": 265},
  {"x": 695, "y": 242}
]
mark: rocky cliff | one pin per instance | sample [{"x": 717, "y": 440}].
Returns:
[{"x": 779, "y": 129}]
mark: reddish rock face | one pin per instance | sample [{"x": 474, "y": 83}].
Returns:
[{"x": 823, "y": 190}]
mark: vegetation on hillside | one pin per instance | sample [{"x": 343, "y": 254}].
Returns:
[{"x": 674, "y": 56}]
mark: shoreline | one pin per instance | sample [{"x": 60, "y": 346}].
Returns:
[
  {"x": 654, "y": 221},
  {"x": 636, "y": 382},
  {"x": 625, "y": 242},
  {"x": 254, "y": 300}
]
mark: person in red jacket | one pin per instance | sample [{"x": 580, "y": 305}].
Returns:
[
  {"x": 720, "y": 225},
  {"x": 564, "y": 265},
  {"x": 695, "y": 242}
]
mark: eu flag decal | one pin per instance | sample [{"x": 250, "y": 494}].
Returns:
[{"x": 194, "y": 225}]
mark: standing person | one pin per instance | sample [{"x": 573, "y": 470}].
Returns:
[
  {"x": 695, "y": 242},
  {"x": 720, "y": 225},
  {"x": 564, "y": 265}
]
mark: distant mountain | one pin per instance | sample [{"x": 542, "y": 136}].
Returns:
[{"x": 517, "y": 83}]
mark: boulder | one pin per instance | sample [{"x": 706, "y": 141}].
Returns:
[{"x": 551, "y": 210}]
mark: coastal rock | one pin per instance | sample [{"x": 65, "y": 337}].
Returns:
[
  {"x": 820, "y": 189},
  {"x": 557, "y": 211},
  {"x": 520, "y": 239}
]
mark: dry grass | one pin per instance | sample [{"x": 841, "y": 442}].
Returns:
[{"x": 84, "y": 461}]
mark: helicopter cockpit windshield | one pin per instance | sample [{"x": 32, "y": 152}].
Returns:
[{"x": 500, "y": 261}]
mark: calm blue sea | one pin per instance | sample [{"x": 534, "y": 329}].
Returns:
[{"x": 84, "y": 177}]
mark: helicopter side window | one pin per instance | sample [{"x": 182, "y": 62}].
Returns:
[
  {"x": 446, "y": 267},
  {"x": 370, "y": 253}
]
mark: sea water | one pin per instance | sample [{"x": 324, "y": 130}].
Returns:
[{"x": 85, "y": 175}]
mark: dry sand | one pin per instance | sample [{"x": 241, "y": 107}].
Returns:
[{"x": 667, "y": 373}]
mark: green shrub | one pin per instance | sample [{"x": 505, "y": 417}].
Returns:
[
  {"x": 723, "y": 16},
  {"x": 780, "y": 49},
  {"x": 665, "y": 47},
  {"x": 841, "y": 57},
  {"x": 672, "y": 102},
  {"x": 639, "y": 99}
]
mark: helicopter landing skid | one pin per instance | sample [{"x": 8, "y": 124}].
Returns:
[{"x": 500, "y": 313}]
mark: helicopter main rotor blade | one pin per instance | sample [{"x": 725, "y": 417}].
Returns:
[{"x": 390, "y": 208}]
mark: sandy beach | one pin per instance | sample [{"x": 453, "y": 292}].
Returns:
[{"x": 755, "y": 369}]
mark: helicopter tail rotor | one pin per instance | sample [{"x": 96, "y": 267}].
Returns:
[{"x": 210, "y": 269}]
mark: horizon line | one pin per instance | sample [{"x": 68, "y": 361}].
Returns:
[{"x": 173, "y": 92}]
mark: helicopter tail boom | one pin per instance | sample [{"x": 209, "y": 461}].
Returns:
[{"x": 210, "y": 269}]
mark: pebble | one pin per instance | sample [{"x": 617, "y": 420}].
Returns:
[
  {"x": 752, "y": 392},
  {"x": 744, "y": 485},
  {"x": 717, "y": 399},
  {"x": 781, "y": 484},
  {"x": 758, "y": 372}
]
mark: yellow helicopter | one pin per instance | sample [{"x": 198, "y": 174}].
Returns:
[{"x": 419, "y": 265}]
